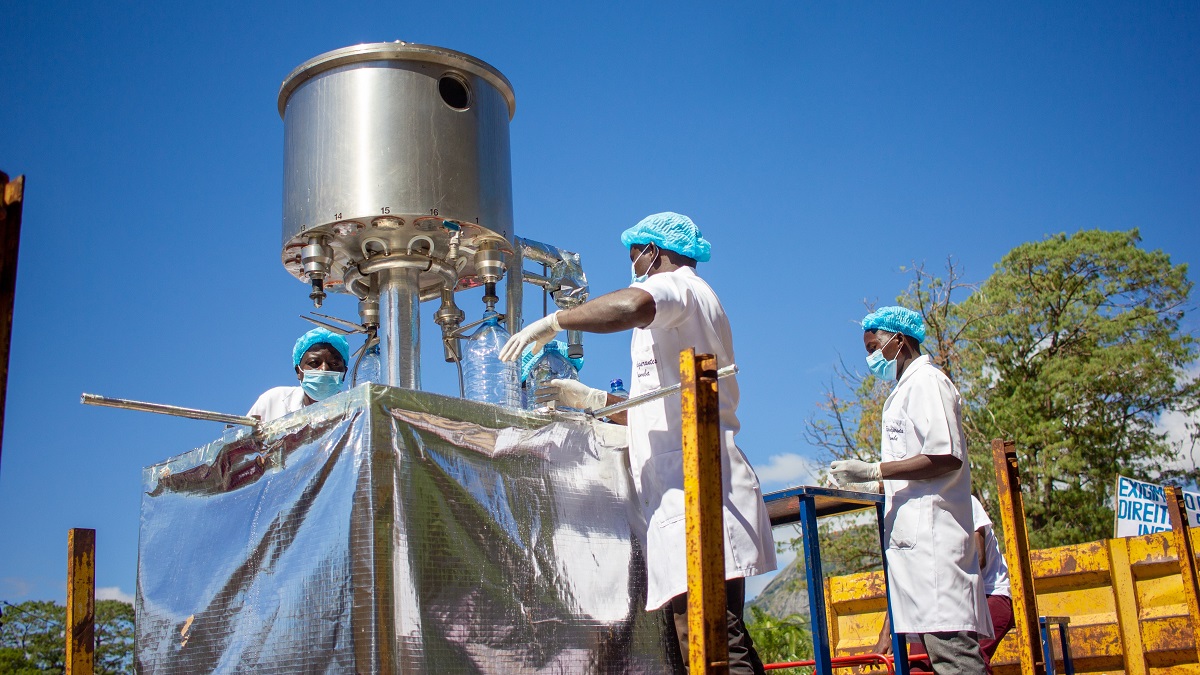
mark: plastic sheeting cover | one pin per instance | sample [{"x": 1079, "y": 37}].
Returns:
[{"x": 396, "y": 531}]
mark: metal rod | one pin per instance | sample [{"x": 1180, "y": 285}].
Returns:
[
  {"x": 653, "y": 395},
  {"x": 1016, "y": 553},
  {"x": 399, "y": 328},
  {"x": 81, "y": 601},
  {"x": 191, "y": 413},
  {"x": 708, "y": 651}
]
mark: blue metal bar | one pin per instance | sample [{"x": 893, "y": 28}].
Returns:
[
  {"x": 899, "y": 644},
  {"x": 1064, "y": 641},
  {"x": 1047, "y": 650},
  {"x": 819, "y": 623}
]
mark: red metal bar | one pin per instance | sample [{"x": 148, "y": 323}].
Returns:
[{"x": 841, "y": 662}]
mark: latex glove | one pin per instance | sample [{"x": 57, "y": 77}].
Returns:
[
  {"x": 847, "y": 471},
  {"x": 537, "y": 334},
  {"x": 575, "y": 394}
]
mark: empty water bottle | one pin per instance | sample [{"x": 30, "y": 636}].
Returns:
[
  {"x": 552, "y": 363},
  {"x": 617, "y": 388},
  {"x": 485, "y": 377},
  {"x": 370, "y": 369}
]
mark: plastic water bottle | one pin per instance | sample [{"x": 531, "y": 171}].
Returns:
[
  {"x": 552, "y": 364},
  {"x": 617, "y": 388},
  {"x": 485, "y": 377},
  {"x": 370, "y": 369}
]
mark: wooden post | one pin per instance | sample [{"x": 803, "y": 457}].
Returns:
[
  {"x": 81, "y": 601},
  {"x": 1187, "y": 561},
  {"x": 708, "y": 636},
  {"x": 1016, "y": 553},
  {"x": 12, "y": 201}
]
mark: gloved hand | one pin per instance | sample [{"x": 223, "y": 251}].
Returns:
[
  {"x": 574, "y": 394},
  {"x": 847, "y": 471},
  {"x": 537, "y": 334}
]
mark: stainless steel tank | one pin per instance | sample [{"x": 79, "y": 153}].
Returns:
[{"x": 397, "y": 183}]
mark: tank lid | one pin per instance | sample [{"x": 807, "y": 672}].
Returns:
[{"x": 398, "y": 51}]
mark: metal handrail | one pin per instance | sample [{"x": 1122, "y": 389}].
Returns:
[{"x": 841, "y": 662}]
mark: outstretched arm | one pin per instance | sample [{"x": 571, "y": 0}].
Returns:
[{"x": 611, "y": 312}]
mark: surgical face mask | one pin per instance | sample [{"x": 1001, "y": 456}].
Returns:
[
  {"x": 637, "y": 279},
  {"x": 321, "y": 384},
  {"x": 881, "y": 367}
]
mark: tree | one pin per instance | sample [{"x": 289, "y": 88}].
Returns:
[
  {"x": 33, "y": 641},
  {"x": 1074, "y": 349},
  {"x": 780, "y": 640}
]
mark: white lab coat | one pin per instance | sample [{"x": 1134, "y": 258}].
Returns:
[
  {"x": 995, "y": 574},
  {"x": 277, "y": 402},
  {"x": 933, "y": 568},
  {"x": 688, "y": 314}
]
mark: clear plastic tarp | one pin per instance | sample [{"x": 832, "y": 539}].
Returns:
[{"x": 396, "y": 531}]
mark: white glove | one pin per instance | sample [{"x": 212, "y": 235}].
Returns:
[
  {"x": 537, "y": 334},
  {"x": 574, "y": 394},
  {"x": 847, "y": 471}
]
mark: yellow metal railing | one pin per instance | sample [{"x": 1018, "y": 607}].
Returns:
[{"x": 1128, "y": 600}]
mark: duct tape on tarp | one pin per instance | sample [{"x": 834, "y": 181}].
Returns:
[{"x": 396, "y": 531}]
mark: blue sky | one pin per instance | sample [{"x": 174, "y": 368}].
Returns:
[{"x": 820, "y": 146}]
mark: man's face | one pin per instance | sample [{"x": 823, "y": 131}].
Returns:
[
  {"x": 642, "y": 256},
  {"x": 891, "y": 343},
  {"x": 320, "y": 357}
]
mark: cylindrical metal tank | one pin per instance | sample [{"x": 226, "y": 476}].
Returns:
[{"x": 394, "y": 147}]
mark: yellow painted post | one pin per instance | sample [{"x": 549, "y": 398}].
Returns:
[
  {"x": 708, "y": 648},
  {"x": 1187, "y": 561},
  {"x": 1133, "y": 650},
  {"x": 1016, "y": 553},
  {"x": 81, "y": 601}
]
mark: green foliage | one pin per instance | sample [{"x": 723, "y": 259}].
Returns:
[
  {"x": 780, "y": 640},
  {"x": 32, "y": 638},
  {"x": 1073, "y": 349}
]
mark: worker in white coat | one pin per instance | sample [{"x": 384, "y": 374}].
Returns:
[
  {"x": 934, "y": 581},
  {"x": 670, "y": 308},
  {"x": 319, "y": 358}
]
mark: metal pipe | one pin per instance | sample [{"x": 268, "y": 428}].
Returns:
[
  {"x": 653, "y": 395},
  {"x": 514, "y": 291},
  {"x": 162, "y": 409},
  {"x": 399, "y": 327}
]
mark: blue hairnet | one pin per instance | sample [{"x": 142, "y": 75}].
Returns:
[
  {"x": 896, "y": 320},
  {"x": 672, "y": 231},
  {"x": 529, "y": 358},
  {"x": 318, "y": 336}
]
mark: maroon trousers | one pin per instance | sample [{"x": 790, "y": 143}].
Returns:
[{"x": 1000, "y": 607}]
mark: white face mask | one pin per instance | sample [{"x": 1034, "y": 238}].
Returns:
[
  {"x": 637, "y": 279},
  {"x": 880, "y": 366}
]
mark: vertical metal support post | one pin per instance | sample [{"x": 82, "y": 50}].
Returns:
[
  {"x": 708, "y": 639},
  {"x": 1133, "y": 650},
  {"x": 400, "y": 327},
  {"x": 1064, "y": 641},
  {"x": 899, "y": 643},
  {"x": 12, "y": 201},
  {"x": 1047, "y": 648},
  {"x": 818, "y": 620},
  {"x": 81, "y": 601},
  {"x": 1187, "y": 561},
  {"x": 1016, "y": 547},
  {"x": 514, "y": 289}
]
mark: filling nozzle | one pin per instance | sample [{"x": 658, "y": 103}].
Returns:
[
  {"x": 316, "y": 259},
  {"x": 449, "y": 317},
  {"x": 489, "y": 265},
  {"x": 575, "y": 344}
]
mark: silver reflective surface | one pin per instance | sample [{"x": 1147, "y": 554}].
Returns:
[
  {"x": 396, "y": 531},
  {"x": 384, "y": 144}
]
